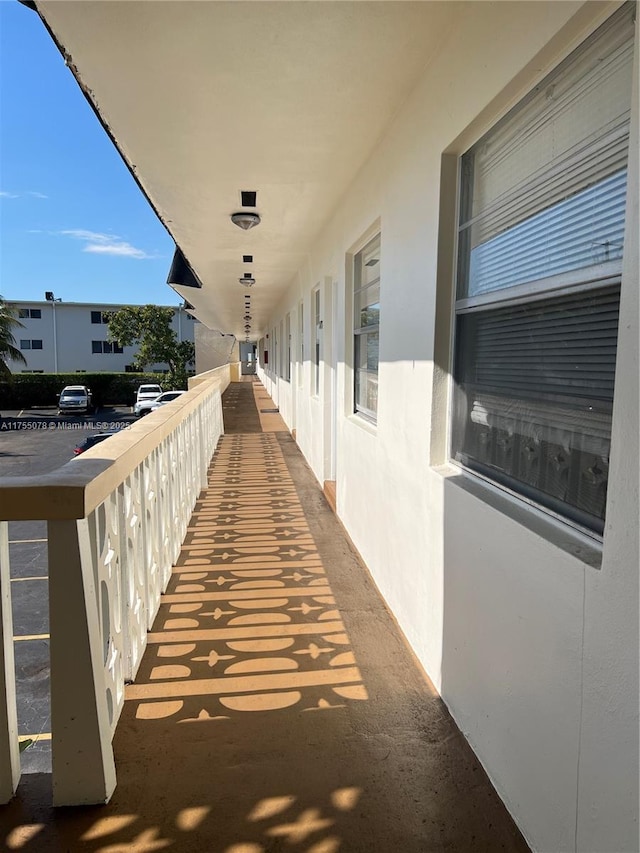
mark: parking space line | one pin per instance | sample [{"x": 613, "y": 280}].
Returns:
[
  {"x": 31, "y": 637},
  {"x": 24, "y": 541},
  {"x": 36, "y": 578}
]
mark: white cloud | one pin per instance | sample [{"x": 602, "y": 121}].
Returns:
[
  {"x": 105, "y": 244},
  {"x": 31, "y": 193},
  {"x": 93, "y": 236},
  {"x": 123, "y": 249}
]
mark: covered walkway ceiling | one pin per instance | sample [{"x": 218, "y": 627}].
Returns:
[{"x": 207, "y": 99}]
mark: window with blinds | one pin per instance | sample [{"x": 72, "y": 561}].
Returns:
[
  {"x": 366, "y": 328},
  {"x": 287, "y": 340},
  {"x": 317, "y": 339},
  {"x": 300, "y": 344},
  {"x": 539, "y": 262}
]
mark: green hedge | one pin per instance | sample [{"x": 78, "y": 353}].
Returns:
[{"x": 33, "y": 390}]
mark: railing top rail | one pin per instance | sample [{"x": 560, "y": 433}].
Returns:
[
  {"x": 199, "y": 378},
  {"x": 77, "y": 488}
]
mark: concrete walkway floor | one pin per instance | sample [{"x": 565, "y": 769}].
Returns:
[{"x": 278, "y": 707}]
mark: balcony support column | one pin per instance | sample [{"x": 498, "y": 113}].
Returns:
[
  {"x": 83, "y": 765},
  {"x": 9, "y": 749}
]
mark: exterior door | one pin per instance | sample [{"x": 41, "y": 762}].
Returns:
[{"x": 247, "y": 359}]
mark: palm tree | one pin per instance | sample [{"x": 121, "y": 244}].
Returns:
[{"x": 8, "y": 349}]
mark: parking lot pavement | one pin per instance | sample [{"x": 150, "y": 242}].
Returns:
[
  {"x": 36, "y": 442},
  {"x": 32, "y": 420}
]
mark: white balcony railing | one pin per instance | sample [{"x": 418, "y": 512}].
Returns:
[{"x": 116, "y": 519}]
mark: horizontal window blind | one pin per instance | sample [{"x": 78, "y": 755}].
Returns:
[
  {"x": 583, "y": 231},
  {"x": 563, "y": 347},
  {"x": 555, "y": 424},
  {"x": 366, "y": 328},
  {"x": 569, "y": 135}
]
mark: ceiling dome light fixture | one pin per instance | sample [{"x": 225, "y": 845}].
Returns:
[
  {"x": 247, "y": 280},
  {"x": 245, "y": 220}
]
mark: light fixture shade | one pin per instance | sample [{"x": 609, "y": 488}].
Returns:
[
  {"x": 247, "y": 280},
  {"x": 245, "y": 220}
]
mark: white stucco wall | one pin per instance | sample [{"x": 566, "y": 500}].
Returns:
[
  {"x": 534, "y": 651},
  {"x": 213, "y": 349}
]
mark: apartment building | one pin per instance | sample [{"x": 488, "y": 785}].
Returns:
[{"x": 71, "y": 337}]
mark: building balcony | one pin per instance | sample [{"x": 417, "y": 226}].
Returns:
[{"x": 224, "y": 673}]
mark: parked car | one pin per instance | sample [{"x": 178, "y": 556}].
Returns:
[
  {"x": 147, "y": 406},
  {"x": 165, "y": 398},
  {"x": 75, "y": 399},
  {"x": 91, "y": 441},
  {"x": 148, "y": 392}
]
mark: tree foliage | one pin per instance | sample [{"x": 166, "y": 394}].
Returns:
[
  {"x": 8, "y": 349},
  {"x": 149, "y": 328}
]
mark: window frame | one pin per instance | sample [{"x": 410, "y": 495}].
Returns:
[
  {"x": 274, "y": 352},
  {"x": 103, "y": 347},
  {"x": 604, "y": 276},
  {"x": 287, "y": 345},
  {"x": 301, "y": 344},
  {"x": 316, "y": 334},
  {"x": 358, "y": 330}
]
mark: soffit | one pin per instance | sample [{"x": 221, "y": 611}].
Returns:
[{"x": 205, "y": 99}]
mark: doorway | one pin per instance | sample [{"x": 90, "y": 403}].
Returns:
[{"x": 247, "y": 359}]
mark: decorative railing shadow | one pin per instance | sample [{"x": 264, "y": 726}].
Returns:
[
  {"x": 248, "y": 622},
  {"x": 116, "y": 518}
]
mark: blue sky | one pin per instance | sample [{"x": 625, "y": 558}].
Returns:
[{"x": 72, "y": 219}]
